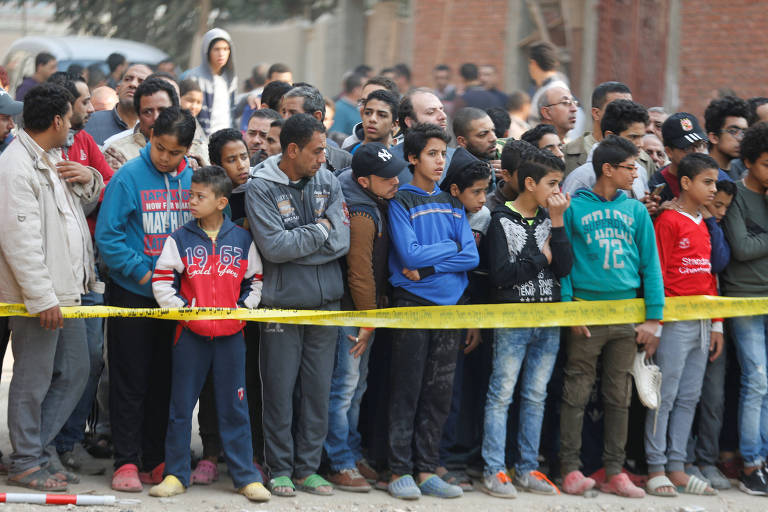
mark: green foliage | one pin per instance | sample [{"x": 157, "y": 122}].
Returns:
[{"x": 171, "y": 24}]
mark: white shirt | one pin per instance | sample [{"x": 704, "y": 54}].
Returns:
[
  {"x": 221, "y": 115},
  {"x": 584, "y": 177}
]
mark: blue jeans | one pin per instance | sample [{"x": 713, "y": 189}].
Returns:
[
  {"x": 193, "y": 357},
  {"x": 682, "y": 359},
  {"x": 534, "y": 351},
  {"x": 750, "y": 334},
  {"x": 73, "y": 430},
  {"x": 348, "y": 385}
]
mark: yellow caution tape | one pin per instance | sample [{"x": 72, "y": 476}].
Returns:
[{"x": 449, "y": 317}]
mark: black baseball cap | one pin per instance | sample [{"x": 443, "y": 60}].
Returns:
[
  {"x": 375, "y": 158},
  {"x": 9, "y": 106},
  {"x": 681, "y": 130}
]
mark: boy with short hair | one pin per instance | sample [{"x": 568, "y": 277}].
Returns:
[
  {"x": 528, "y": 252},
  {"x": 209, "y": 262},
  {"x": 190, "y": 96},
  {"x": 513, "y": 153},
  {"x": 428, "y": 229},
  {"x": 226, "y": 148},
  {"x": 747, "y": 276},
  {"x": 685, "y": 257},
  {"x": 704, "y": 441},
  {"x": 614, "y": 264},
  {"x": 467, "y": 180}
]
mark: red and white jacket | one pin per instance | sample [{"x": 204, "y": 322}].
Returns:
[{"x": 195, "y": 271}]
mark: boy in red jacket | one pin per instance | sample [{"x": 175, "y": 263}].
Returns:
[{"x": 209, "y": 262}]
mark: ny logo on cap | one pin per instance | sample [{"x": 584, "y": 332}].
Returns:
[
  {"x": 384, "y": 155},
  {"x": 686, "y": 124}
]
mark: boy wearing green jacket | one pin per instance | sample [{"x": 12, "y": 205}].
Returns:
[{"x": 615, "y": 258}]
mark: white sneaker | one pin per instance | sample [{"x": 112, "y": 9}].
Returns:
[{"x": 647, "y": 380}]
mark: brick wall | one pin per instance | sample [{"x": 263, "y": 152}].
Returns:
[
  {"x": 455, "y": 32},
  {"x": 723, "y": 44},
  {"x": 631, "y": 46}
]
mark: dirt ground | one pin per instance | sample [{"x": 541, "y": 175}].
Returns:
[{"x": 221, "y": 497}]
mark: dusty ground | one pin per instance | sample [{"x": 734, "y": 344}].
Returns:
[{"x": 220, "y": 497}]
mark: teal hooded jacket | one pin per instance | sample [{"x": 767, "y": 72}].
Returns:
[{"x": 614, "y": 248}]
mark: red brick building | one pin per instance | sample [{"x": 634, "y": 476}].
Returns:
[{"x": 675, "y": 53}]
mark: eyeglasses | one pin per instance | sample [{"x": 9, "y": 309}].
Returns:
[
  {"x": 566, "y": 103},
  {"x": 735, "y": 132},
  {"x": 627, "y": 167}
]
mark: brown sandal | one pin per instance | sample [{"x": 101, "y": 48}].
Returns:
[{"x": 38, "y": 479}]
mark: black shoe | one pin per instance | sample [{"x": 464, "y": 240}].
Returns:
[{"x": 755, "y": 483}]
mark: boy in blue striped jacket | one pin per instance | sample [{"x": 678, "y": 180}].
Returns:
[{"x": 432, "y": 248}]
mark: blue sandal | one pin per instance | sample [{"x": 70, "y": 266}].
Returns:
[
  {"x": 439, "y": 488},
  {"x": 404, "y": 488}
]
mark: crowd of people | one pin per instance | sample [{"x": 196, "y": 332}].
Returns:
[{"x": 183, "y": 192}]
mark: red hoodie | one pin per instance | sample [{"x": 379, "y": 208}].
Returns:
[{"x": 85, "y": 151}]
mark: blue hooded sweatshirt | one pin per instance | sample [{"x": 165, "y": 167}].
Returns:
[
  {"x": 136, "y": 218},
  {"x": 615, "y": 255},
  {"x": 430, "y": 230}
]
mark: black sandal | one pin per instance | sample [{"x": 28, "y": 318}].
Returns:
[{"x": 38, "y": 479}]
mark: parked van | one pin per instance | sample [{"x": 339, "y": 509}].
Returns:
[{"x": 19, "y": 61}]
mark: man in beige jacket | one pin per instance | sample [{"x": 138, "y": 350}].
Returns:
[{"x": 46, "y": 261}]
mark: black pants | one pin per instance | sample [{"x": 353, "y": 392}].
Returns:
[
  {"x": 139, "y": 353},
  {"x": 206, "y": 416},
  {"x": 422, "y": 370}
]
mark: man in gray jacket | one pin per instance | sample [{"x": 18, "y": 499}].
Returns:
[
  {"x": 306, "y": 99},
  {"x": 300, "y": 224},
  {"x": 46, "y": 261}
]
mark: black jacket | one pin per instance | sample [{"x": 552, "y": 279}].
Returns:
[{"x": 518, "y": 271}]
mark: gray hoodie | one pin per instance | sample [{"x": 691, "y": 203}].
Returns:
[
  {"x": 203, "y": 75},
  {"x": 301, "y": 268}
]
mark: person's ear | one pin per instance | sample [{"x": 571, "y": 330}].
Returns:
[
  {"x": 607, "y": 133},
  {"x": 530, "y": 184},
  {"x": 685, "y": 182},
  {"x": 607, "y": 169},
  {"x": 409, "y": 122},
  {"x": 318, "y": 115},
  {"x": 413, "y": 159},
  {"x": 461, "y": 141},
  {"x": 713, "y": 138},
  {"x": 221, "y": 202},
  {"x": 292, "y": 151},
  {"x": 595, "y": 114},
  {"x": 454, "y": 189},
  {"x": 364, "y": 182}
]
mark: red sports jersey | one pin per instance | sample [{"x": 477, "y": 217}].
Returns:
[{"x": 684, "y": 253}]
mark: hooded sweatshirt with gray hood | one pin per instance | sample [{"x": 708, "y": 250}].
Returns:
[
  {"x": 300, "y": 257},
  {"x": 203, "y": 75}
]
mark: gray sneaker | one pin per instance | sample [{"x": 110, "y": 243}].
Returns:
[
  {"x": 716, "y": 478},
  {"x": 534, "y": 481},
  {"x": 499, "y": 485},
  {"x": 80, "y": 461}
]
